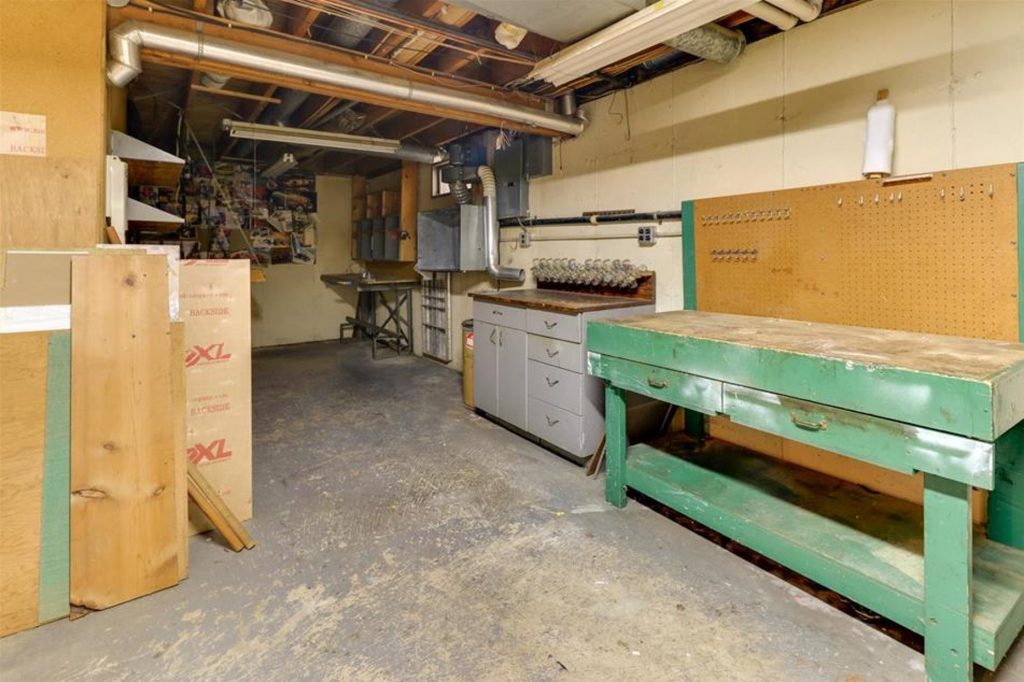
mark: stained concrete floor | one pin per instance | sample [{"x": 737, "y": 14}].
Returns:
[{"x": 402, "y": 537}]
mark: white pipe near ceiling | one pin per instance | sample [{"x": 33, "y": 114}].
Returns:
[
  {"x": 125, "y": 63},
  {"x": 804, "y": 10},
  {"x": 772, "y": 14}
]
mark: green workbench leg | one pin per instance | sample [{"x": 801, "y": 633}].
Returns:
[
  {"x": 1006, "y": 501},
  {"x": 948, "y": 559},
  {"x": 693, "y": 424},
  {"x": 615, "y": 445}
]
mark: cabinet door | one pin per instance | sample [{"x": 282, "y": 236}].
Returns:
[
  {"x": 485, "y": 367},
  {"x": 512, "y": 376}
]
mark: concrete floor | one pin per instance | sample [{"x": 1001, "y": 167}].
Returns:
[{"x": 402, "y": 537}]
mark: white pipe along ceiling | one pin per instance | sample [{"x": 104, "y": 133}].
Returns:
[{"x": 125, "y": 63}]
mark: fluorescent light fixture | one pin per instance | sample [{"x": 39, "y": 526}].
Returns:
[
  {"x": 282, "y": 165},
  {"x": 310, "y": 138},
  {"x": 643, "y": 29}
]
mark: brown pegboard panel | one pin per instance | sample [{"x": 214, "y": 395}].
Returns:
[{"x": 934, "y": 253}]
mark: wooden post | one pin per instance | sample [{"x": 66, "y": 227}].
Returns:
[
  {"x": 948, "y": 564},
  {"x": 410, "y": 207},
  {"x": 615, "y": 453}
]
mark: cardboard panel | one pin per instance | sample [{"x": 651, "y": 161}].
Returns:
[{"x": 215, "y": 307}]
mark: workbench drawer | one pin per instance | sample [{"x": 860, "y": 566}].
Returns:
[
  {"x": 890, "y": 444},
  {"x": 556, "y": 425},
  {"x": 556, "y": 386},
  {"x": 564, "y": 354},
  {"x": 554, "y": 325},
  {"x": 504, "y": 315},
  {"x": 679, "y": 388}
]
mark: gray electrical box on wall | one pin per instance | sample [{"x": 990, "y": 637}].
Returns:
[
  {"x": 523, "y": 158},
  {"x": 451, "y": 239}
]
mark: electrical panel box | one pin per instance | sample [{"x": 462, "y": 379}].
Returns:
[
  {"x": 510, "y": 176},
  {"x": 451, "y": 240}
]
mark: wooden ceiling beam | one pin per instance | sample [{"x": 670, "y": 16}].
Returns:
[{"x": 410, "y": 51}]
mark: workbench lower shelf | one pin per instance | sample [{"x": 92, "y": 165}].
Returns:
[{"x": 863, "y": 545}]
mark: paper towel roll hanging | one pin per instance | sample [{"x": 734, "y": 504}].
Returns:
[{"x": 880, "y": 139}]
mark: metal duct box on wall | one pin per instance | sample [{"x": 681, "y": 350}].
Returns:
[{"x": 451, "y": 240}]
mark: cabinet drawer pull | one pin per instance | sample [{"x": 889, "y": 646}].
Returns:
[
  {"x": 497, "y": 312},
  {"x": 550, "y": 382},
  {"x": 657, "y": 383},
  {"x": 819, "y": 425},
  {"x": 493, "y": 332},
  {"x": 550, "y": 325},
  {"x": 551, "y": 353},
  {"x": 551, "y": 422}
]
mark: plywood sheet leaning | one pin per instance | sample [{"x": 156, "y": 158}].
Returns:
[
  {"x": 934, "y": 253},
  {"x": 178, "y": 408},
  {"x": 215, "y": 302},
  {"x": 34, "y": 470},
  {"x": 123, "y": 510}
]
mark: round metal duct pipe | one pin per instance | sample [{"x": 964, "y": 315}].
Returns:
[{"x": 125, "y": 63}]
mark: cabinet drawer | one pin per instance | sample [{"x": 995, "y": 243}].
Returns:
[
  {"x": 564, "y": 354},
  {"x": 504, "y": 315},
  {"x": 556, "y": 386},
  {"x": 557, "y": 426},
  {"x": 554, "y": 325}
]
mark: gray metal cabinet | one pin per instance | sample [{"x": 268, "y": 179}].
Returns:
[
  {"x": 530, "y": 372},
  {"x": 485, "y": 366},
  {"x": 511, "y": 378},
  {"x": 499, "y": 358}
]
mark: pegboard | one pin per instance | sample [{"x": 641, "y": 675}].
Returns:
[{"x": 933, "y": 253}]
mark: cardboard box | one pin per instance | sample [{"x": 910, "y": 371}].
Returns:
[{"x": 218, "y": 379}]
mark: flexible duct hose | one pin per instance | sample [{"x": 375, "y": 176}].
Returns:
[
  {"x": 492, "y": 232},
  {"x": 460, "y": 192}
]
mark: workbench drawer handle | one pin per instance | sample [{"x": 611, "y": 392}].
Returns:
[
  {"x": 657, "y": 383},
  {"x": 819, "y": 425},
  {"x": 551, "y": 382},
  {"x": 551, "y": 422},
  {"x": 550, "y": 325},
  {"x": 551, "y": 353},
  {"x": 493, "y": 332}
]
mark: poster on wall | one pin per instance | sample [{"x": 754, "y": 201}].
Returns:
[{"x": 271, "y": 220}]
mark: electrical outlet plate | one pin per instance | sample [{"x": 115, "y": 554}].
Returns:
[
  {"x": 647, "y": 235},
  {"x": 524, "y": 238}
]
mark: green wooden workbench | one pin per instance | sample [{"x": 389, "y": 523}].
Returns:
[{"x": 949, "y": 407}]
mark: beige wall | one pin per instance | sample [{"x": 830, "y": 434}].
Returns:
[
  {"x": 789, "y": 112},
  {"x": 293, "y": 305}
]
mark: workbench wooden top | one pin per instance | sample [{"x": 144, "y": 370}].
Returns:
[
  {"x": 566, "y": 302},
  {"x": 970, "y": 387},
  {"x": 954, "y": 356}
]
